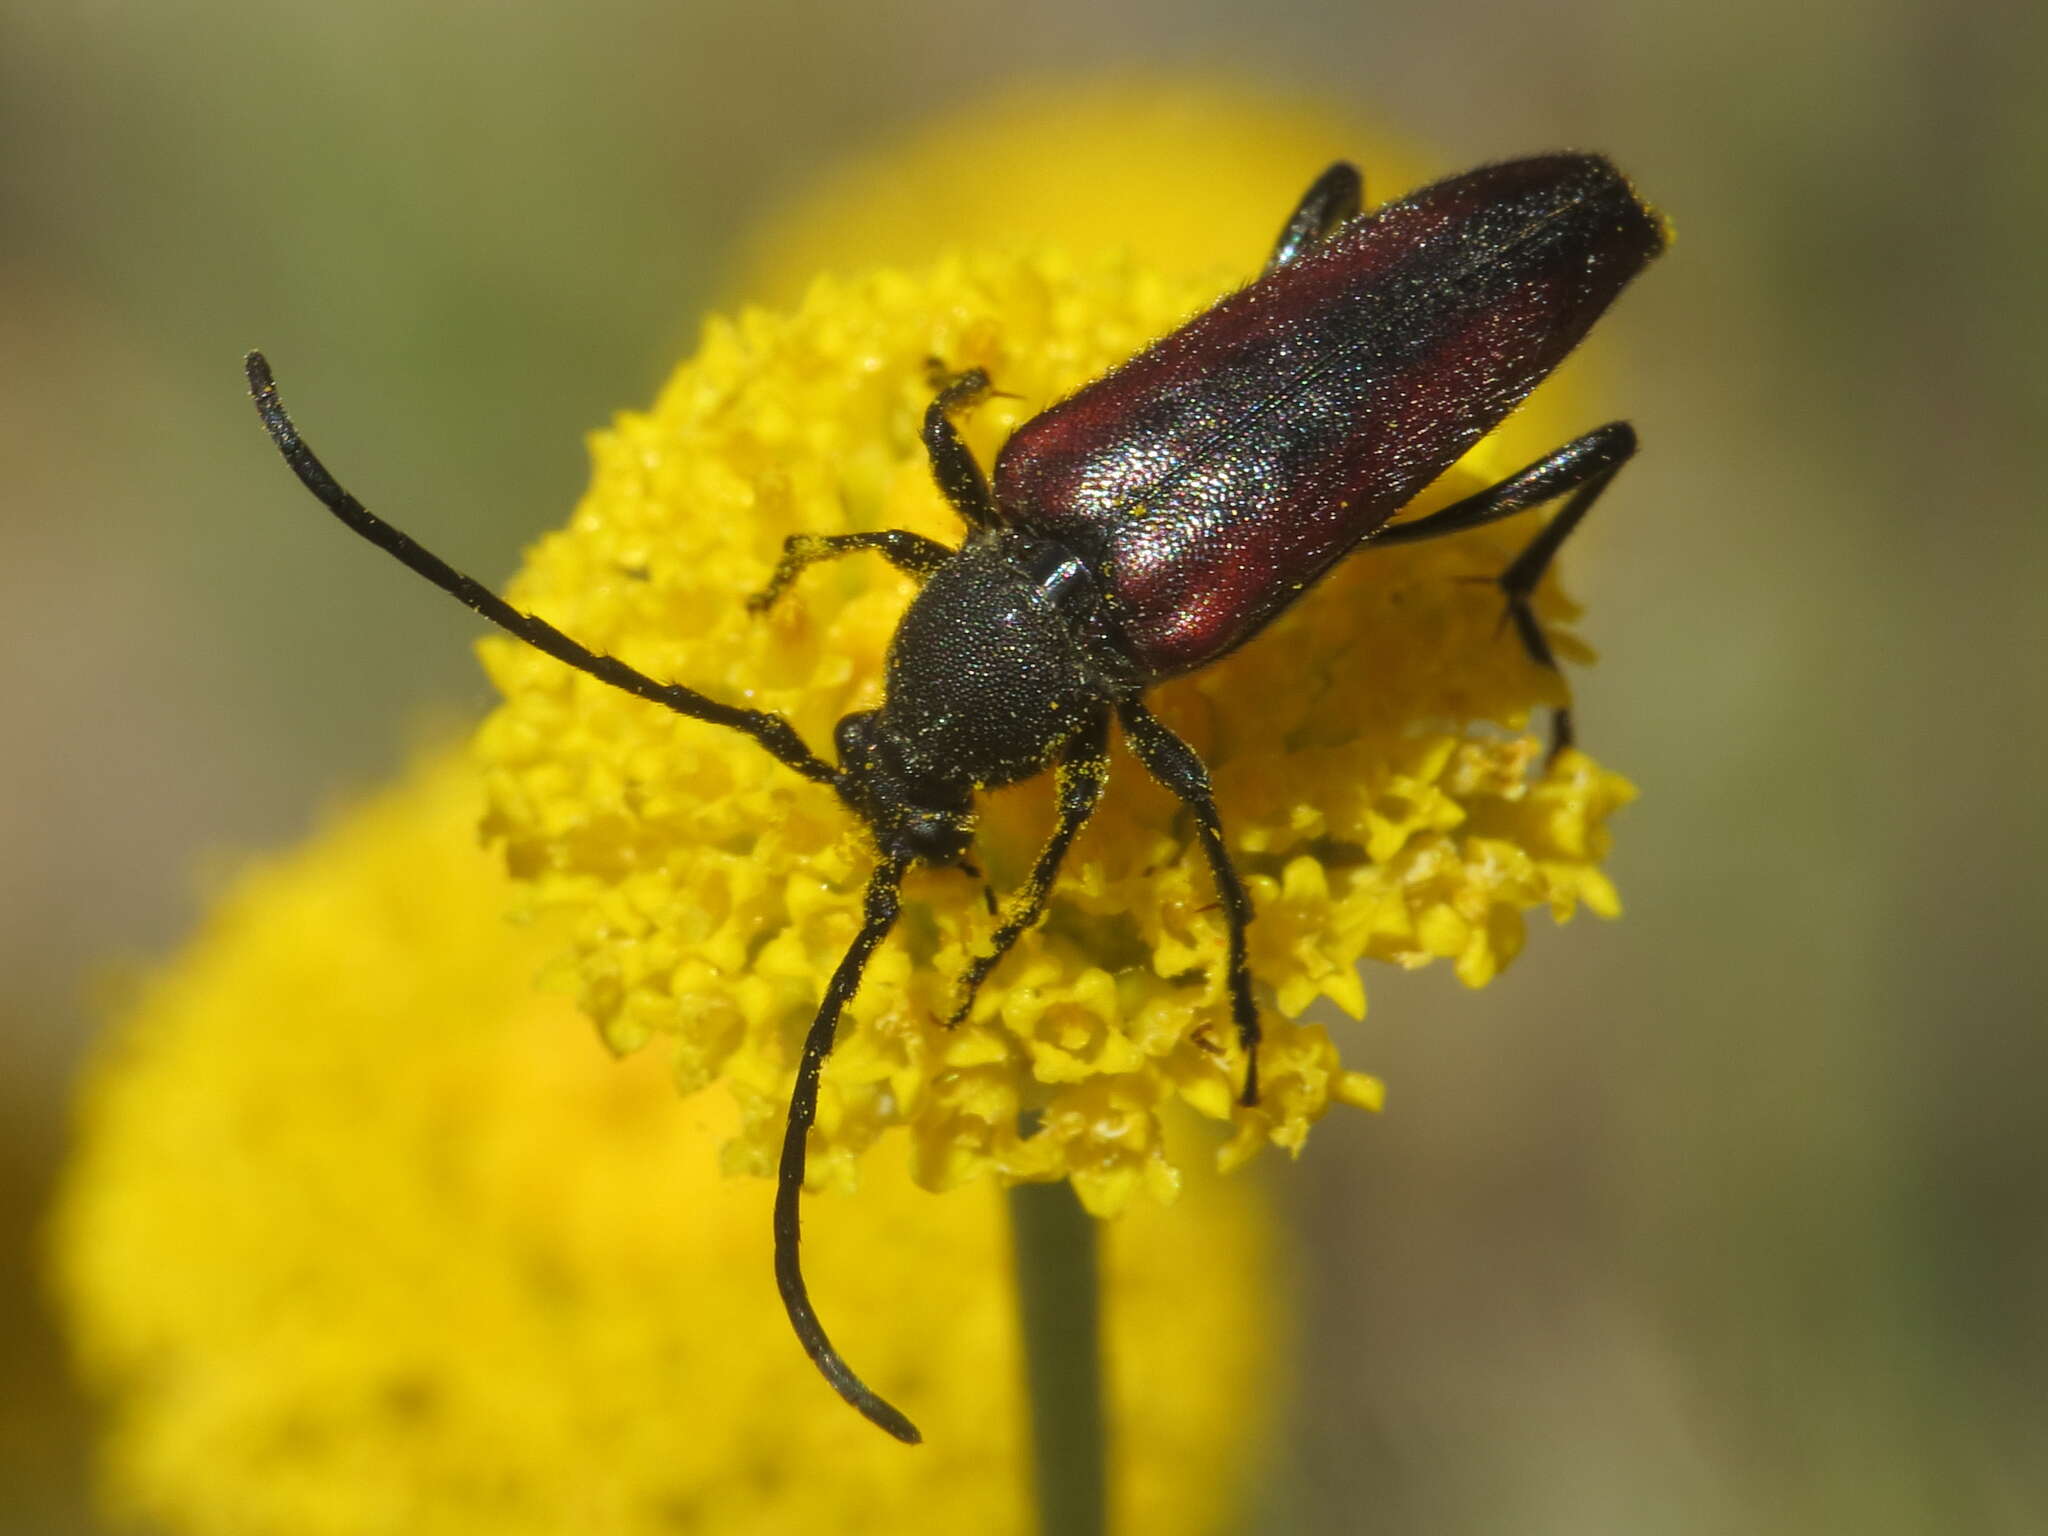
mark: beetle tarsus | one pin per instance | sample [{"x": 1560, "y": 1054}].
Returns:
[{"x": 911, "y": 553}]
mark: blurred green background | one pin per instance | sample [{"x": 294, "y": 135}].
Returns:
[{"x": 1729, "y": 1217}]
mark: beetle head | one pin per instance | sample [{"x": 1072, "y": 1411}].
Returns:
[{"x": 931, "y": 822}]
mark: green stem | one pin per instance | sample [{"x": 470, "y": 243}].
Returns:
[{"x": 1059, "y": 1310}]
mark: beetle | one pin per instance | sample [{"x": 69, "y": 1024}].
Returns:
[{"x": 1151, "y": 523}]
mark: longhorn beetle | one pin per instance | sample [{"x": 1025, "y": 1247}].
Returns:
[{"x": 1150, "y": 524}]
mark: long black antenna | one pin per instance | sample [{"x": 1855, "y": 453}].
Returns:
[
  {"x": 878, "y": 918},
  {"x": 771, "y": 731}
]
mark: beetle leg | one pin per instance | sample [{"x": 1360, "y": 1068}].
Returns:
[
  {"x": 1584, "y": 467},
  {"x": 1173, "y": 763},
  {"x": 953, "y": 466},
  {"x": 1333, "y": 198},
  {"x": 775, "y": 734},
  {"x": 1583, "y": 460},
  {"x": 884, "y": 889},
  {"x": 909, "y": 552},
  {"x": 1083, "y": 774}
]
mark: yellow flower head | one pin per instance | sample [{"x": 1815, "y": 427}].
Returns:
[
  {"x": 364, "y": 1234},
  {"x": 1378, "y": 783}
]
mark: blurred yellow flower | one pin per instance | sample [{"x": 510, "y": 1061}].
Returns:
[
  {"x": 1188, "y": 176},
  {"x": 362, "y": 1234},
  {"x": 1378, "y": 784}
]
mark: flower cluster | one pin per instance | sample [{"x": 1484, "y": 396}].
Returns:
[{"x": 1379, "y": 785}]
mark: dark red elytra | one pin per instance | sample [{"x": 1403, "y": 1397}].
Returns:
[
  {"x": 1254, "y": 447},
  {"x": 1149, "y": 524}
]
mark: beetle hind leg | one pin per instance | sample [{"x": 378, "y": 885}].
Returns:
[{"x": 1582, "y": 468}]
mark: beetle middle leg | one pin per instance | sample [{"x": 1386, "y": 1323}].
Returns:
[
  {"x": 911, "y": 553},
  {"x": 1173, "y": 763},
  {"x": 1333, "y": 198},
  {"x": 1083, "y": 775},
  {"x": 1583, "y": 467}
]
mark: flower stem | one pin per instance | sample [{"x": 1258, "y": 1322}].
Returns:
[{"x": 1058, "y": 1307}]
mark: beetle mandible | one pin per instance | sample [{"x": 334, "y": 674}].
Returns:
[{"x": 1151, "y": 523}]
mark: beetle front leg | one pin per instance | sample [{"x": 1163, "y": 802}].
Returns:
[
  {"x": 953, "y": 464},
  {"x": 1584, "y": 467},
  {"x": 1333, "y": 198},
  {"x": 911, "y": 553},
  {"x": 1173, "y": 763},
  {"x": 1083, "y": 775}
]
